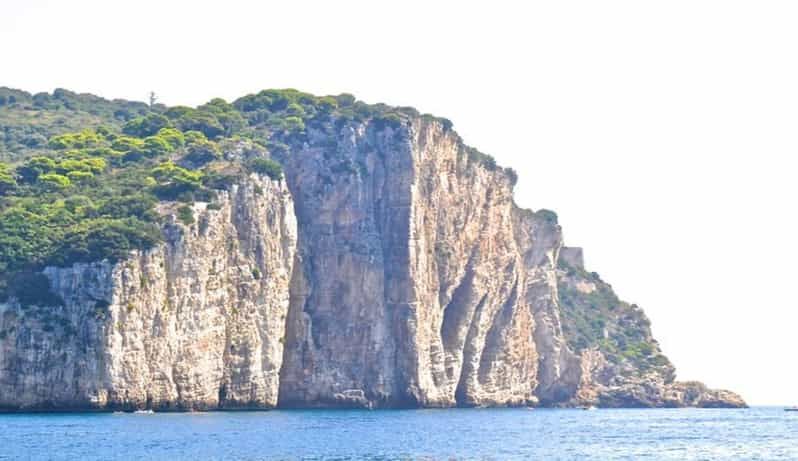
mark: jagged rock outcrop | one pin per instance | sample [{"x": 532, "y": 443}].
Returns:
[
  {"x": 620, "y": 364},
  {"x": 390, "y": 268}
]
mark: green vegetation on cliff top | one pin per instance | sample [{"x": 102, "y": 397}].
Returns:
[{"x": 80, "y": 176}]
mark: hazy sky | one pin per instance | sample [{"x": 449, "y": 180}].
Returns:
[{"x": 664, "y": 134}]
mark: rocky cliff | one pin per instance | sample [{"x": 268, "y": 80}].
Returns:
[
  {"x": 196, "y": 323},
  {"x": 389, "y": 267}
]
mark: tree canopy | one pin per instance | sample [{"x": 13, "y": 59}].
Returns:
[{"x": 80, "y": 176}]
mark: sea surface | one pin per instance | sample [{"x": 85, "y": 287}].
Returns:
[{"x": 501, "y": 434}]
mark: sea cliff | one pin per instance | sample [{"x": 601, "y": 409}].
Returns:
[{"x": 387, "y": 266}]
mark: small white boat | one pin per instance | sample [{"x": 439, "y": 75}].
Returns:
[{"x": 143, "y": 412}]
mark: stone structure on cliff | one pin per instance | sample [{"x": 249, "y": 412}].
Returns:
[{"x": 389, "y": 268}]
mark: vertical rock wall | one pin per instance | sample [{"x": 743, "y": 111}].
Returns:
[
  {"x": 195, "y": 323},
  {"x": 419, "y": 280}
]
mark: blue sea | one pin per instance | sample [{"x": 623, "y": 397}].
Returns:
[{"x": 453, "y": 434}]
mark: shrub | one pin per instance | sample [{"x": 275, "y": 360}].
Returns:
[
  {"x": 293, "y": 124},
  {"x": 219, "y": 181},
  {"x": 176, "y": 112},
  {"x": 145, "y": 126},
  {"x": 138, "y": 206},
  {"x": 55, "y": 181},
  {"x": 203, "y": 122},
  {"x": 194, "y": 136},
  {"x": 295, "y": 110},
  {"x": 174, "y": 137},
  {"x": 24, "y": 238},
  {"x": 345, "y": 99},
  {"x": 78, "y": 177},
  {"x": 105, "y": 152},
  {"x": 33, "y": 168},
  {"x": 86, "y": 138},
  {"x": 202, "y": 152},
  {"x": 512, "y": 175},
  {"x": 174, "y": 181},
  {"x": 103, "y": 238},
  {"x": 7, "y": 181},
  {"x": 133, "y": 156},
  {"x": 266, "y": 166},
  {"x": 186, "y": 215},
  {"x": 156, "y": 145},
  {"x": 547, "y": 216},
  {"x": 327, "y": 104},
  {"x": 388, "y": 120},
  {"x": 226, "y": 114},
  {"x": 78, "y": 204},
  {"x": 105, "y": 132},
  {"x": 90, "y": 165},
  {"x": 127, "y": 144},
  {"x": 278, "y": 148}
]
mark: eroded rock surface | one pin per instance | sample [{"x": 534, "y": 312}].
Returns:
[
  {"x": 391, "y": 267},
  {"x": 196, "y": 323}
]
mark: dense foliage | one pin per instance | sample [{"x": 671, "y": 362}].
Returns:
[
  {"x": 27, "y": 122},
  {"x": 599, "y": 319},
  {"x": 80, "y": 176}
]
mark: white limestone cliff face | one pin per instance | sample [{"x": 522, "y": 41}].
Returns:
[
  {"x": 419, "y": 280},
  {"x": 390, "y": 268},
  {"x": 195, "y": 323}
]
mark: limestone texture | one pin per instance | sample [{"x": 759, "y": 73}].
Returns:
[{"x": 390, "y": 267}]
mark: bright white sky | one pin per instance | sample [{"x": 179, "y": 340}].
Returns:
[{"x": 664, "y": 134}]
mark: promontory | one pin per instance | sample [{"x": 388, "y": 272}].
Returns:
[{"x": 289, "y": 250}]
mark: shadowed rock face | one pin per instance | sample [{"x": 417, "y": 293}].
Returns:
[{"x": 391, "y": 267}]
